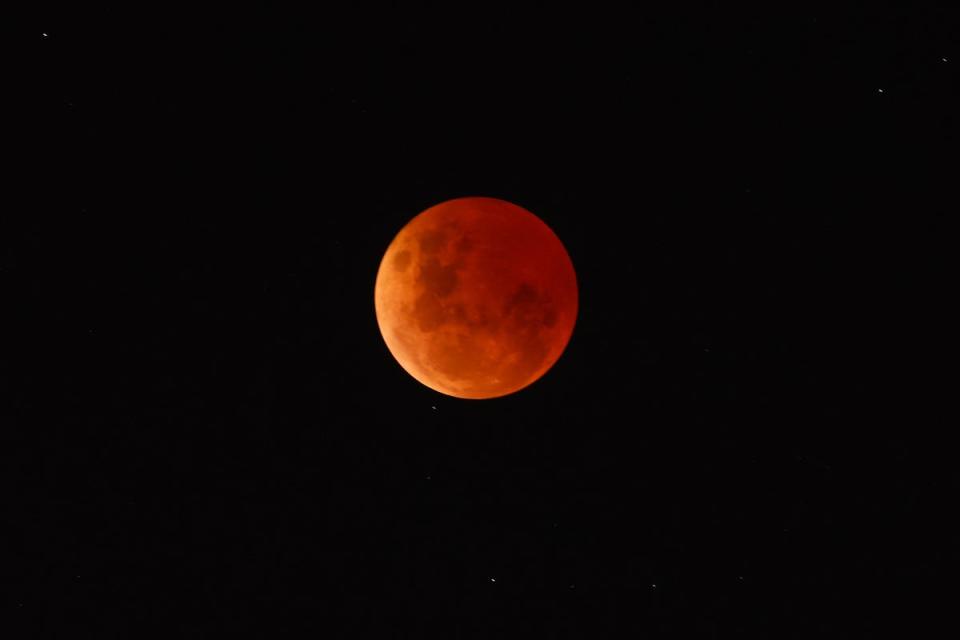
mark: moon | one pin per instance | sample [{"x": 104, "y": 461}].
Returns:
[{"x": 476, "y": 298}]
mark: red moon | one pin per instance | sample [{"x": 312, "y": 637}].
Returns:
[{"x": 476, "y": 298}]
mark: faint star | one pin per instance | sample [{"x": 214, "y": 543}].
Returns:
[
  {"x": 434, "y": 407},
  {"x": 943, "y": 59},
  {"x": 880, "y": 90},
  {"x": 493, "y": 579},
  {"x": 654, "y": 586}
]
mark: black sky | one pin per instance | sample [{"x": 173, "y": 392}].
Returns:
[{"x": 204, "y": 434}]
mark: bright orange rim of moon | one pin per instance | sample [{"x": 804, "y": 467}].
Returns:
[{"x": 476, "y": 298}]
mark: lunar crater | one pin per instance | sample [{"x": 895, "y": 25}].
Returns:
[{"x": 402, "y": 260}]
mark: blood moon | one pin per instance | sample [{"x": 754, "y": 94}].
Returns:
[{"x": 476, "y": 297}]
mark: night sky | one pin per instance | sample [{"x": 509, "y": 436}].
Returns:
[{"x": 204, "y": 435}]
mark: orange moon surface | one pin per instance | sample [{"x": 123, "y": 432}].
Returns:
[{"x": 476, "y": 298}]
